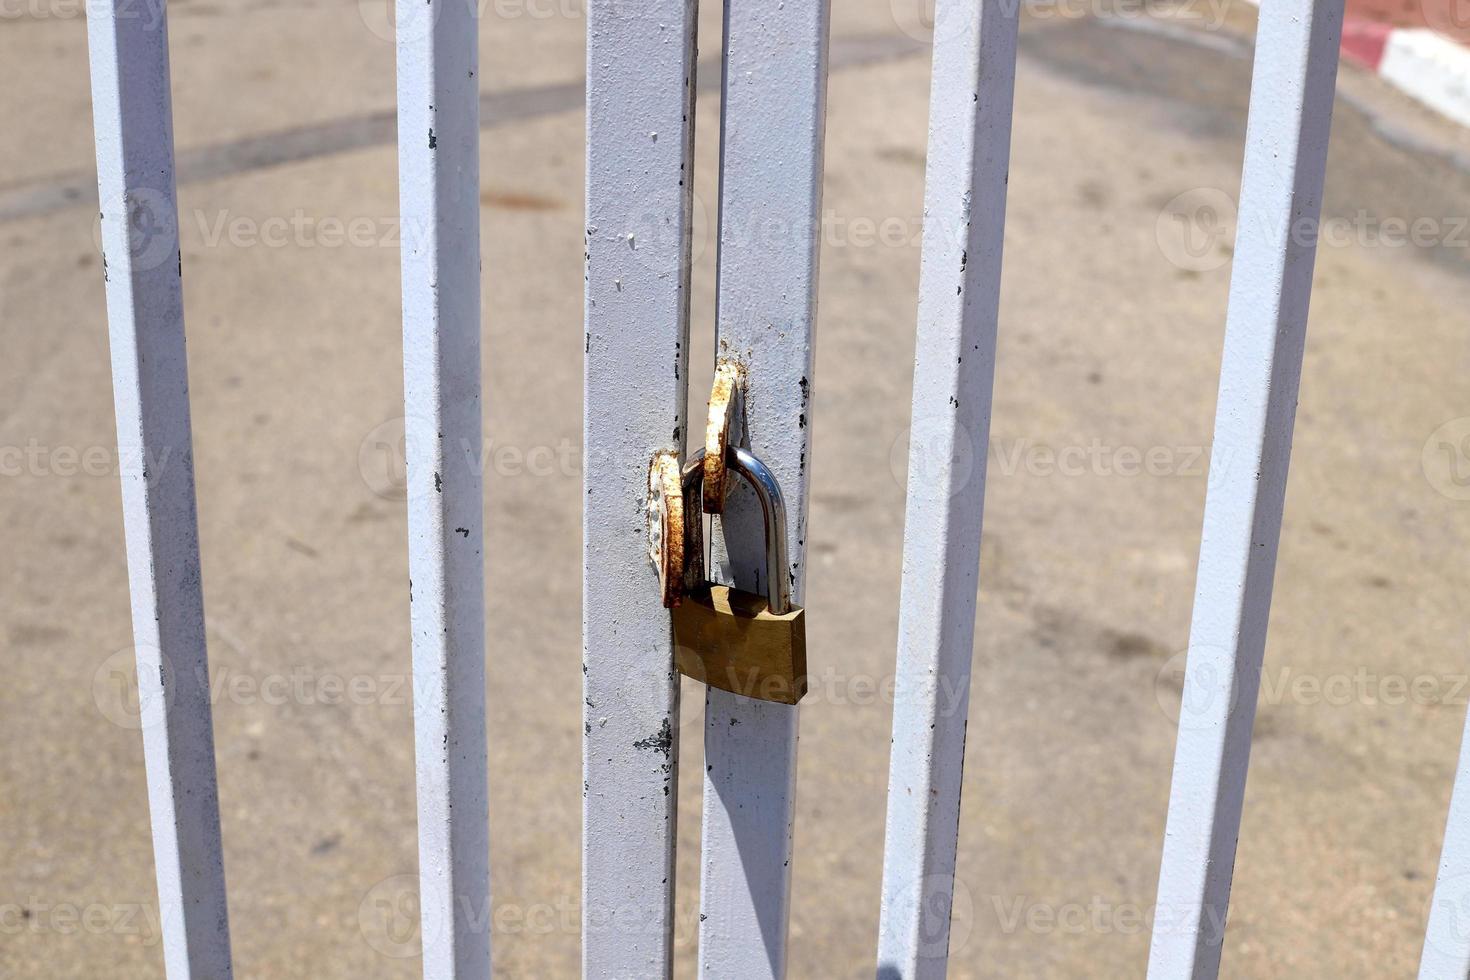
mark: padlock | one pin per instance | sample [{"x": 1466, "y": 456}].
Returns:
[{"x": 728, "y": 638}]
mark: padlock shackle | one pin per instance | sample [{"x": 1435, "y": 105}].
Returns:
[{"x": 773, "y": 511}]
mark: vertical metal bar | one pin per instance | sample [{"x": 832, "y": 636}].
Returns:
[
  {"x": 133, "y": 119},
  {"x": 1446, "y": 954},
  {"x": 439, "y": 177},
  {"x": 1265, "y": 331},
  {"x": 640, "y": 132},
  {"x": 959, "y": 298},
  {"x": 772, "y": 125}
]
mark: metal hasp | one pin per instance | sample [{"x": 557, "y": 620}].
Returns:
[
  {"x": 669, "y": 535},
  {"x": 724, "y": 406},
  {"x": 735, "y": 640}
]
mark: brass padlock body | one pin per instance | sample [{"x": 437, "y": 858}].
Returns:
[{"x": 729, "y": 639}]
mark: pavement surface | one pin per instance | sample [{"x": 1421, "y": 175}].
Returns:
[{"x": 1126, "y": 160}]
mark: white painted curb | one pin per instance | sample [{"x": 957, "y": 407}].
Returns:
[
  {"x": 1431, "y": 68},
  {"x": 1427, "y": 66}
]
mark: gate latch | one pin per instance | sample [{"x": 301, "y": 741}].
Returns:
[{"x": 725, "y": 637}]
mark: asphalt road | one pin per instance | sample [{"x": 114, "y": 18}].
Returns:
[{"x": 1126, "y": 159}]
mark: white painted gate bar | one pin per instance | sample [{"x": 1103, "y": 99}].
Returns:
[
  {"x": 959, "y": 297},
  {"x": 133, "y": 119},
  {"x": 1446, "y": 954},
  {"x": 439, "y": 195},
  {"x": 640, "y": 132},
  {"x": 1290, "y": 117},
  {"x": 772, "y": 125}
]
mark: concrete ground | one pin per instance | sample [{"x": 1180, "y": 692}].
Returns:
[{"x": 1126, "y": 160}]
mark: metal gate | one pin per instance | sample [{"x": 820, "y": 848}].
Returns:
[{"x": 640, "y": 135}]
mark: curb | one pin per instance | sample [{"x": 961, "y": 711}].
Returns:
[{"x": 1427, "y": 66}]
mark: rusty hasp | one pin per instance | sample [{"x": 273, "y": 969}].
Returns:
[
  {"x": 726, "y": 403},
  {"x": 667, "y": 533}
]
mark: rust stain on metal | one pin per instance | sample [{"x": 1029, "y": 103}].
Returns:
[
  {"x": 666, "y": 527},
  {"x": 724, "y": 402}
]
